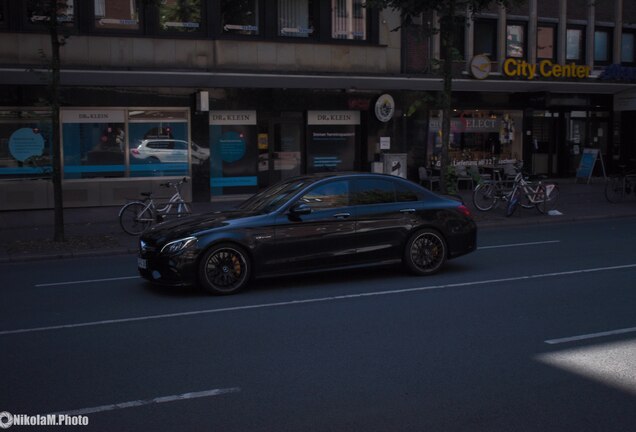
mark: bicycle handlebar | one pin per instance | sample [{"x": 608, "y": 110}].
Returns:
[{"x": 177, "y": 184}]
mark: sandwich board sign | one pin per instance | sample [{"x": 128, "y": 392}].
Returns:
[{"x": 587, "y": 163}]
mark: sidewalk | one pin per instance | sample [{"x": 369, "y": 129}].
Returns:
[{"x": 27, "y": 235}]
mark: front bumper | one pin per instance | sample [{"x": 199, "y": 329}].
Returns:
[{"x": 174, "y": 270}]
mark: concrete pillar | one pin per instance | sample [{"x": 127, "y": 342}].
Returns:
[
  {"x": 618, "y": 31},
  {"x": 469, "y": 38},
  {"x": 436, "y": 48},
  {"x": 501, "y": 36},
  {"x": 532, "y": 31},
  {"x": 589, "y": 33},
  {"x": 562, "y": 31}
]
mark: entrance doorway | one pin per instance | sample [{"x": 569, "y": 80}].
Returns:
[{"x": 280, "y": 150}]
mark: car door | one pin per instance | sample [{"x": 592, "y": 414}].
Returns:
[
  {"x": 385, "y": 209},
  {"x": 323, "y": 237}
]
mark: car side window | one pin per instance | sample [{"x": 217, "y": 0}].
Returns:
[
  {"x": 179, "y": 145},
  {"x": 373, "y": 191},
  {"x": 328, "y": 196},
  {"x": 405, "y": 194}
]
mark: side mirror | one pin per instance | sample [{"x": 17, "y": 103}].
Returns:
[{"x": 300, "y": 209}]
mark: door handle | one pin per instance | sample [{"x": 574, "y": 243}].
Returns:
[
  {"x": 341, "y": 215},
  {"x": 407, "y": 210}
]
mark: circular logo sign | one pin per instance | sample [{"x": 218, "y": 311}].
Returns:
[
  {"x": 384, "y": 108},
  {"x": 24, "y": 143},
  {"x": 232, "y": 146},
  {"x": 480, "y": 66}
]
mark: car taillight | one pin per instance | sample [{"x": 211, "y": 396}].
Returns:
[
  {"x": 464, "y": 210},
  {"x": 135, "y": 151}
]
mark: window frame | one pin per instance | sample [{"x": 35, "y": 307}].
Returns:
[
  {"x": 155, "y": 29},
  {"x": 608, "y": 45},
  {"x": 524, "y": 43},
  {"x": 142, "y": 12},
  {"x": 490, "y": 22},
  {"x": 582, "y": 47},
  {"x": 273, "y": 18},
  {"x": 554, "y": 41},
  {"x": 632, "y": 33},
  {"x": 30, "y": 26},
  {"x": 264, "y": 29},
  {"x": 327, "y": 29}
]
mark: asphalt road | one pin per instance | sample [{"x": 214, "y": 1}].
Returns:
[{"x": 533, "y": 332}]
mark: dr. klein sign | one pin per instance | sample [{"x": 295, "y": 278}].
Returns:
[
  {"x": 333, "y": 117},
  {"x": 93, "y": 116},
  {"x": 233, "y": 118}
]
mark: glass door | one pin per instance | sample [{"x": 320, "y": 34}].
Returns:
[{"x": 285, "y": 159}]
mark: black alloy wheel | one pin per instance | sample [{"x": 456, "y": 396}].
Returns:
[
  {"x": 224, "y": 269},
  {"x": 425, "y": 252}
]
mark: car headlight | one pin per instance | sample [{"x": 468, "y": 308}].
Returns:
[{"x": 178, "y": 245}]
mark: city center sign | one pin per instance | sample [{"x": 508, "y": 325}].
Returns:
[{"x": 545, "y": 69}]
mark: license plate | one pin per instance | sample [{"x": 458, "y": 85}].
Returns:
[{"x": 142, "y": 263}]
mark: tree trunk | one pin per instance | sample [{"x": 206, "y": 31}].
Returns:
[
  {"x": 56, "y": 178},
  {"x": 448, "y": 39}
]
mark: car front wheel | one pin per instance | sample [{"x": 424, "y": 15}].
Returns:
[
  {"x": 425, "y": 252},
  {"x": 224, "y": 269}
]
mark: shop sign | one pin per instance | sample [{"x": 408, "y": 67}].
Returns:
[
  {"x": 233, "y": 118},
  {"x": 385, "y": 108},
  {"x": 333, "y": 117},
  {"x": 480, "y": 66},
  {"x": 475, "y": 125},
  {"x": 93, "y": 116},
  {"x": 545, "y": 69},
  {"x": 617, "y": 72},
  {"x": 25, "y": 143}
]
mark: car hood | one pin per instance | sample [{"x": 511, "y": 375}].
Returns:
[{"x": 176, "y": 228}]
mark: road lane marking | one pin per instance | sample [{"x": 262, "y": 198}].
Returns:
[
  {"x": 315, "y": 300},
  {"x": 85, "y": 281},
  {"x": 519, "y": 244},
  {"x": 157, "y": 400},
  {"x": 590, "y": 336}
]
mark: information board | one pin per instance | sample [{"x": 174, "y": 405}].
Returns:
[{"x": 587, "y": 163}]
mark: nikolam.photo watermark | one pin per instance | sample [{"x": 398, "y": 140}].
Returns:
[{"x": 8, "y": 420}]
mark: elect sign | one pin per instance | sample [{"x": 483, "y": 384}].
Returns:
[{"x": 545, "y": 69}]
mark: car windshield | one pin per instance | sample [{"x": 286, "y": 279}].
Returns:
[{"x": 273, "y": 197}]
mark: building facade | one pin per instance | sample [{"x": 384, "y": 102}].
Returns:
[{"x": 239, "y": 95}]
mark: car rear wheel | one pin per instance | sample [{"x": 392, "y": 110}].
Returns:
[
  {"x": 425, "y": 252},
  {"x": 224, "y": 269}
]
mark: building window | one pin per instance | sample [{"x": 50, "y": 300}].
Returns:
[
  {"x": 348, "y": 19},
  {"x": 515, "y": 41},
  {"x": 574, "y": 45},
  {"x": 602, "y": 46},
  {"x": 459, "y": 32},
  {"x": 180, "y": 16},
  {"x": 627, "y": 48},
  {"x": 295, "y": 18},
  {"x": 545, "y": 42},
  {"x": 240, "y": 17},
  {"x": 37, "y": 12},
  {"x": 486, "y": 38},
  {"x": 116, "y": 15},
  {"x": 25, "y": 144},
  {"x": 3, "y": 13}
]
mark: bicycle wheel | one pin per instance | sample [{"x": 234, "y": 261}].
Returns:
[
  {"x": 551, "y": 193},
  {"x": 484, "y": 196},
  {"x": 183, "y": 209},
  {"x": 513, "y": 202},
  {"x": 614, "y": 190},
  {"x": 135, "y": 218}
]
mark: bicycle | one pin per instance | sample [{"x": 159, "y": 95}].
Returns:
[
  {"x": 539, "y": 195},
  {"x": 618, "y": 187},
  {"x": 137, "y": 216}
]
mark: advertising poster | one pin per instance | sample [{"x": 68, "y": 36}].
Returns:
[
  {"x": 332, "y": 140},
  {"x": 233, "y": 152},
  {"x": 24, "y": 146}
]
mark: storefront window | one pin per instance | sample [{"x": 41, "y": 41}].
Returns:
[
  {"x": 25, "y": 144},
  {"x": 116, "y": 14},
  {"x": 478, "y": 137},
  {"x": 240, "y": 17},
  {"x": 295, "y": 18},
  {"x": 574, "y": 47},
  {"x": 180, "y": 15},
  {"x": 37, "y": 11},
  {"x": 486, "y": 38},
  {"x": 627, "y": 48},
  {"x": 515, "y": 41},
  {"x": 348, "y": 19},
  {"x": 158, "y": 143},
  {"x": 545, "y": 42},
  {"x": 3, "y": 13},
  {"x": 94, "y": 143},
  {"x": 601, "y": 46}
]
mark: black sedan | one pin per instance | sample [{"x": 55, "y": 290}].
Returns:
[{"x": 310, "y": 223}]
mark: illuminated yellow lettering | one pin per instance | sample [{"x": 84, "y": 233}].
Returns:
[
  {"x": 544, "y": 68},
  {"x": 509, "y": 67},
  {"x": 557, "y": 71}
]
